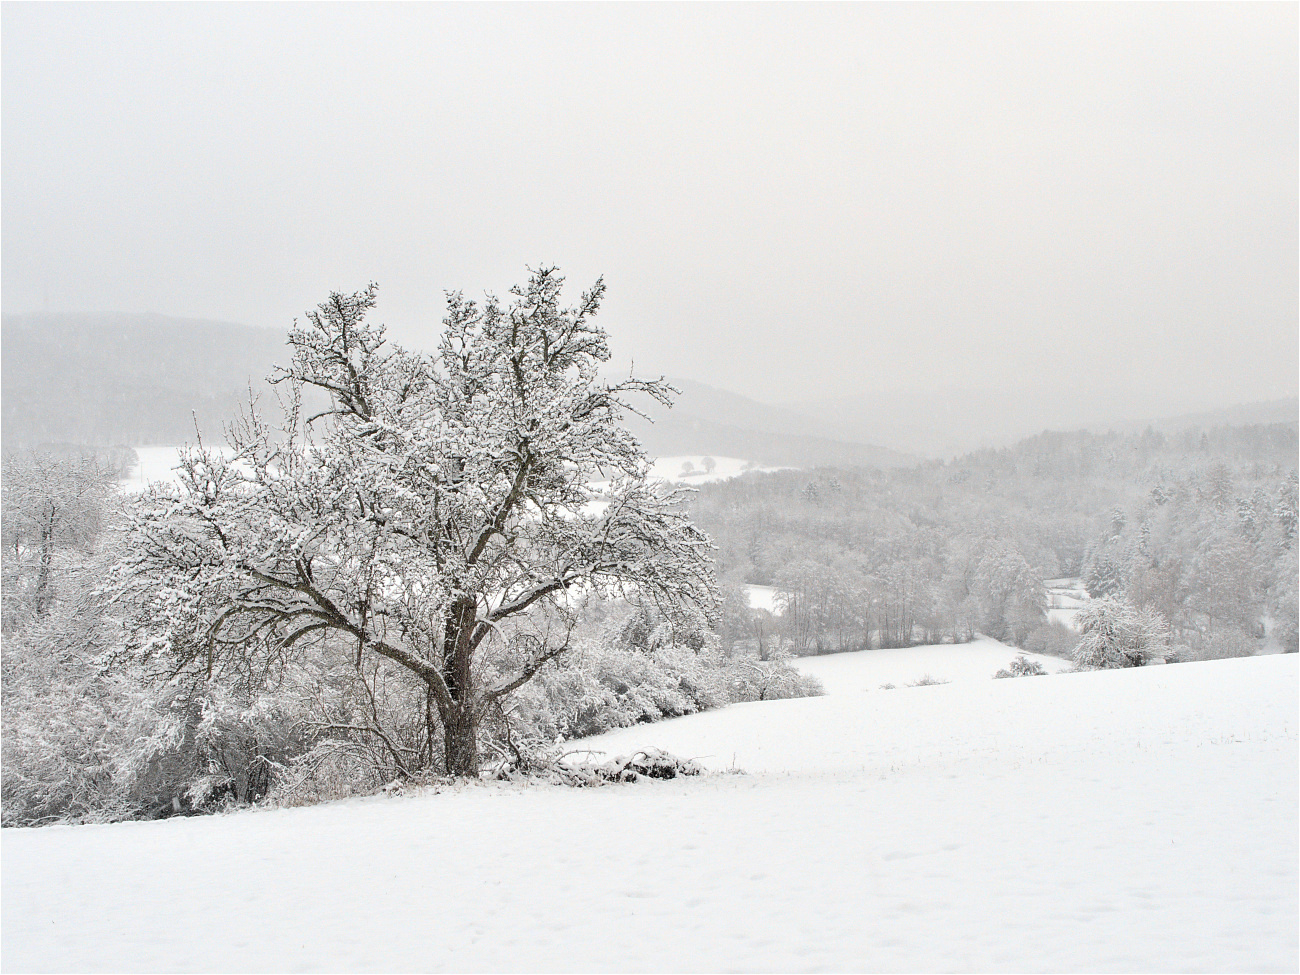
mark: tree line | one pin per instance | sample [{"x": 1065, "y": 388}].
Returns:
[{"x": 1198, "y": 527}]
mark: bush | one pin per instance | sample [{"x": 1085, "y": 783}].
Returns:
[
  {"x": 1022, "y": 667},
  {"x": 928, "y": 681},
  {"x": 82, "y": 743},
  {"x": 768, "y": 680},
  {"x": 599, "y": 687},
  {"x": 333, "y": 769}
]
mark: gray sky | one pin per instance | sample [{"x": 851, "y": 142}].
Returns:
[{"x": 791, "y": 202}]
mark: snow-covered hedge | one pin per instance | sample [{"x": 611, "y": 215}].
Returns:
[
  {"x": 87, "y": 742},
  {"x": 605, "y": 685}
]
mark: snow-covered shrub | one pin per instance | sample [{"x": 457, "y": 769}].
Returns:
[
  {"x": 198, "y": 748},
  {"x": 333, "y": 769},
  {"x": 601, "y": 686},
  {"x": 769, "y": 680},
  {"x": 1022, "y": 667},
  {"x": 570, "y": 769},
  {"x": 60, "y": 741},
  {"x": 927, "y": 681},
  {"x": 67, "y": 720}
]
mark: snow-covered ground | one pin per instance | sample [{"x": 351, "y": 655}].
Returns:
[
  {"x": 1136, "y": 820},
  {"x": 975, "y": 661},
  {"x": 156, "y": 464},
  {"x": 762, "y": 597},
  {"x": 725, "y": 468},
  {"x": 159, "y": 463},
  {"x": 1065, "y": 597}
]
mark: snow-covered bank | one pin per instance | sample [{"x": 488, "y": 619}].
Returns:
[{"x": 1125, "y": 820}]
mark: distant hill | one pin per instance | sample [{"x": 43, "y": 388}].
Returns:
[
  {"x": 939, "y": 422},
  {"x": 127, "y": 379},
  {"x": 143, "y": 379},
  {"x": 1263, "y": 413},
  {"x": 705, "y": 420},
  {"x": 945, "y": 423}
]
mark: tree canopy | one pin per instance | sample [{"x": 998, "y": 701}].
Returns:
[{"x": 441, "y": 502}]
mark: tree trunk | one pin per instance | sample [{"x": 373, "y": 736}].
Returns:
[
  {"x": 459, "y": 721},
  {"x": 43, "y": 575},
  {"x": 460, "y": 740},
  {"x": 430, "y": 725}
]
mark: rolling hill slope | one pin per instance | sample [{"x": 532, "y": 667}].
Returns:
[{"x": 1136, "y": 820}]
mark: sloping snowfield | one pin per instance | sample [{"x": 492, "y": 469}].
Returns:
[
  {"x": 979, "y": 660},
  {"x": 1138, "y": 820}
]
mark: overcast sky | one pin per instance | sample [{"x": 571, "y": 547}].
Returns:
[{"x": 787, "y": 201}]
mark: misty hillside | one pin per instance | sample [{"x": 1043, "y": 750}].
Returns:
[
  {"x": 142, "y": 379},
  {"x": 128, "y": 379},
  {"x": 1263, "y": 413},
  {"x": 705, "y": 420},
  {"x": 948, "y": 422}
]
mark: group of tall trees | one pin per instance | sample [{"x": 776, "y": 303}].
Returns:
[{"x": 1212, "y": 550}]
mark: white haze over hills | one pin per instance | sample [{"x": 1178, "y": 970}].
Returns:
[
  {"x": 141, "y": 379},
  {"x": 796, "y": 202},
  {"x": 946, "y": 422}
]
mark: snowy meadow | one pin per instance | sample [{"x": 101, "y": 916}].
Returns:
[
  {"x": 1134, "y": 820},
  {"x": 873, "y": 546}
]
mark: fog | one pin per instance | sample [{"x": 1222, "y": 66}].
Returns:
[{"x": 1096, "y": 205}]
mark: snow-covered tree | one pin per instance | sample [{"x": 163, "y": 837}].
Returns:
[
  {"x": 50, "y": 503},
  {"x": 441, "y": 500},
  {"x": 1105, "y": 577},
  {"x": 1009, "y": 593},
  {"x": 1117, "y": 634}
]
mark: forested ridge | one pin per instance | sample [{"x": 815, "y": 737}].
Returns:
[{"x": 1200, "y": 526}]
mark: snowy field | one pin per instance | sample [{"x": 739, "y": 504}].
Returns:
[
  {"x": 155, "y": 464},
  {"x": 762, "y": 597},
  {"x": 725, "y": 468},
  {"x": 159, "y": 463},
  {"x": 980, "y": 659},
  {"x": 1137, "y": 820},
  {"x": 1065, "y": 597}
]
